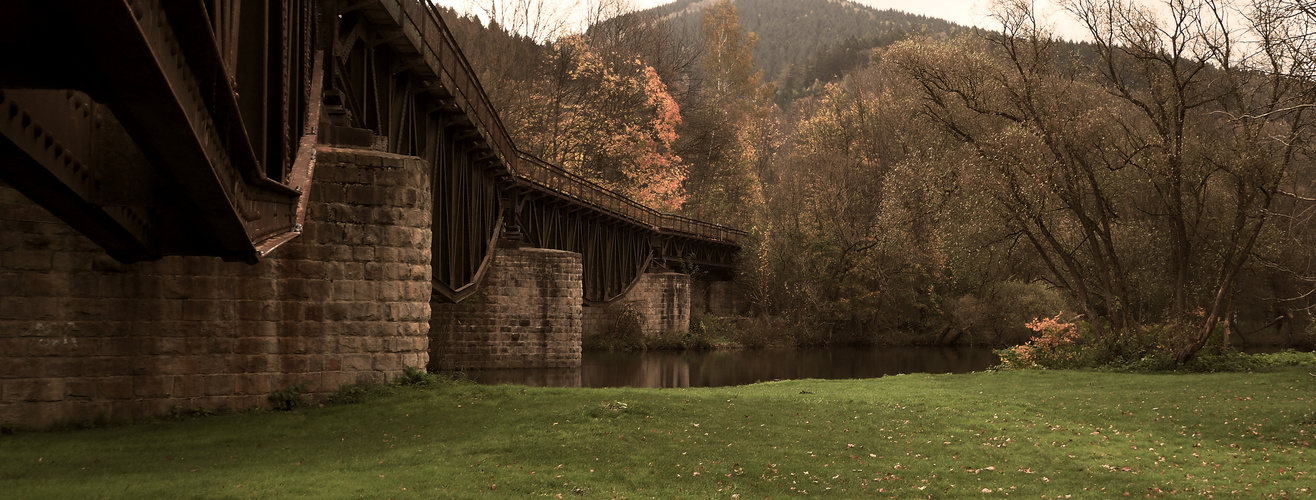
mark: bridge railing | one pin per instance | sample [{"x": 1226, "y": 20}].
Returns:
[
  {"x": 707, "y": 230},
  {"x": 467, "y": 87},
  {"x": 555, "y": 178},
  {"x": 574, "y": 186},
  {"x": 579, "y": 188}
]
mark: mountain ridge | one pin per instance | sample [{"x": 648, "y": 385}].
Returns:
[{"x": 804, "y": 42}]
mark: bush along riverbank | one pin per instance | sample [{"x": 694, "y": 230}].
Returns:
[
  {"x": 1073, "y": 344},
  {"x": 1027, "y": 433},
  {"x": 1054, "y": 343}
]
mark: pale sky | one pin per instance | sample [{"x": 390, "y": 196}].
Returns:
[
  {"x": 966, "y": 12},
  {"x": 975, "y": 13}
]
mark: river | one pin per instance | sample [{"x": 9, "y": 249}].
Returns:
[{"x": 745, "y": 366}]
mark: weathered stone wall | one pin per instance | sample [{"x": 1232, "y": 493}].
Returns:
[
  {"x": 83, "y": 336},
  {"x": 718, "y": 298},
  {"x": 660, "y": 300},
  {"x": 526, "y": 314}
]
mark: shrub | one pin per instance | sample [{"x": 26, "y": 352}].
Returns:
[
  {"x": 997, "y": 313},
  {"x": 710, "y": 331},
  {"x": 753, "y": 334},
  {"x": 1230, "y": 360},
  {"x": 178, "y": 412},
  {"x": 626, "y": 333},
  {"x": 811, "y": 335},
  {"x": 412, "y": 376},
  {"x": 289, "y": 398},
  {"x": 1287, "y": 357},
  {"x": 1057, "y": 345}
]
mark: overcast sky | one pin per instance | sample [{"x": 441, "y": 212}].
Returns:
[
  {"x": 966, "y": 12},
  {"x": 975, "y": 13}
]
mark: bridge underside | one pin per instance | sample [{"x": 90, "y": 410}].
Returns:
[
  {"x": 188, "y": 128},
  {"x": 154, "y": 128},
  {"x": 168, "y": 132},
  {"x": 396, "y": 82}
]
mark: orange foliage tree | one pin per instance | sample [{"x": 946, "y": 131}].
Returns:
[{"x": 613, "y": 122}]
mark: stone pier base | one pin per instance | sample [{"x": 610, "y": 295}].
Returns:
[
  {"x": 718, "y": 298},
  {"x": 527, "y": 314},
  {"x": 83, "y": 336},
  {"x": 660, "y": 301}
]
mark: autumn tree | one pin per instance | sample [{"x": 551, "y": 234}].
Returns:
[
  {"x": 538, "y": 20},
  {"x": 1226, "y": 130},
  {"x": 620, "y": 33},
  {"x": 730, "y": 134},
  {"x": 853, "y": 213},
  {"x": 1143, "y": 190},
  {"x": 614, "y": 123},
  {"x": 577, "y": 100},
  {"x": 510, "y": 67}
]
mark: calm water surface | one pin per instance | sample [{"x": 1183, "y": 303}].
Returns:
[{"x": 722, "y": 368}]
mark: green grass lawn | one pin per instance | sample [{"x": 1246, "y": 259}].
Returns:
[{"x": 1021, "y": 434}]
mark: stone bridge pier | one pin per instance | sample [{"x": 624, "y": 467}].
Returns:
[
  {"x": 658, "y": 303},
  {"x": 529, "y": 313},
  {"x": 526, "y": 314},
  {"x": 175, "y": 232},
  {"x": 717, "y": 297},
  {"x": 83, "y": 336}
]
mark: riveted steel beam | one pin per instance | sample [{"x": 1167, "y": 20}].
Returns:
[{"x": 69, "y": 154}]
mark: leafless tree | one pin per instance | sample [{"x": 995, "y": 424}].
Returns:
[
  {"x": 539, "y": 20},
  {"x": 1155, "y": 170}
]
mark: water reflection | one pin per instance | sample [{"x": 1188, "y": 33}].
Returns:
[{"x": 722, "y": 368}]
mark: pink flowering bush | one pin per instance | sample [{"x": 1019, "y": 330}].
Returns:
[{"x": 1057, "y": 345}]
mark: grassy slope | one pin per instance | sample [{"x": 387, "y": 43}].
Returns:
[{"x": 1026, "y": 433}]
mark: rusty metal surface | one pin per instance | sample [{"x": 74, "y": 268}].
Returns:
[
  {"x": 57, "y": 141},
  {"x": 200, "y": 170}
]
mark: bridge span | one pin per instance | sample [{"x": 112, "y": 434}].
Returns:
[{"x": 204, "y": 201}]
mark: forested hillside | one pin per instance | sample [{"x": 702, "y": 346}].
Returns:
[
  {"x": 1147, "y": 195},
  {"x": 803, "y": 41}
]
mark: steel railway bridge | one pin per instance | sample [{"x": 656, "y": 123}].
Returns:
[{"x": 189, "y": 127}]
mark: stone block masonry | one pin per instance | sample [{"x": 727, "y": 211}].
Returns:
[
  {"x": 527, "y": 314},
  {"x": 718, "y": 298},
  {"x": 660, "y": 300},
  {"x": 83, "y": 336}
]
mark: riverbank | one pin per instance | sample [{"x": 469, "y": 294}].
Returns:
[
  {"x": 1022, "y": 433},
  {"x": 709, "y": 332},
  {"x": 727, "y": 367}
]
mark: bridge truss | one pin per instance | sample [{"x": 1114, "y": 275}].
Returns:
[{"x": 188, "y": 127}]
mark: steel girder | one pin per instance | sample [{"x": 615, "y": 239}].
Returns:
[
  {"x": 398, "y": 74},
  {"x": 51, "y": 142},
  {"x": 618, "y": 238},
  {"x": 389, "y": 91},
  {"x": 140, "y": 135},
  {"x": 614, "y": 253}
]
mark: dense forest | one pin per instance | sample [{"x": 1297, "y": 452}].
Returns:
[
  {"x": 801, "y": 43},
  {"x": 905, "y": 180}
]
